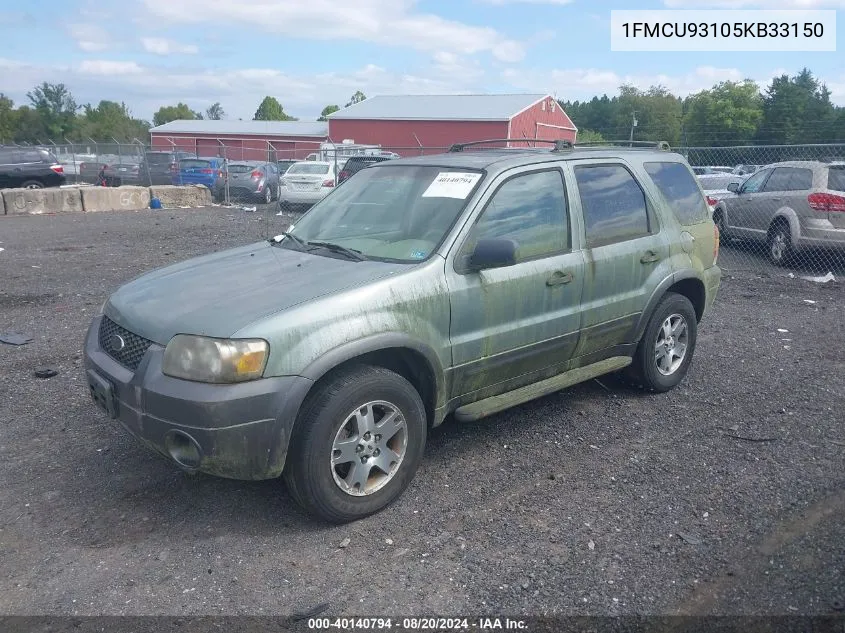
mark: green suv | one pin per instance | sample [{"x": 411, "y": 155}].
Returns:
[{"x": 459, "y": 284}]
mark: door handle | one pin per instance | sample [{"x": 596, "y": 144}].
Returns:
[
  {"x": 559, "y": 278},
  {"x": 649, "y": 258}
]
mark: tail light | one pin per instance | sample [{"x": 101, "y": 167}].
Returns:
[
  {"x": 329, "y": 183},
  {"x": 715, "y": 242},
  {"x": 711, "y": 201},
  {"x": 257, "y": 174},
  {"x": 342, "y": 176},
  {"x": 82, "y": 166},
  {"x": 826, "y": 202},
  {"x": 206, "y": 171},
  {"x": 136, "y": 168},
  {"x": 173, "y": 167},
  {"x": 59, "y": 169}
]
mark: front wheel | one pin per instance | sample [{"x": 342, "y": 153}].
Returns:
[
  {"x": 358, "y": 442},
  {"x": 665, "y": 351}
]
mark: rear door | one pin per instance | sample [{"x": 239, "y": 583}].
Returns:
[
  {"x": 626, "y": 254},
  {"x": 786, "y": 187},
  {"x": 508, "y": 323}
]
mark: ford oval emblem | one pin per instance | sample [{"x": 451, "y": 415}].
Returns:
[{"x": 116, "y": 343}]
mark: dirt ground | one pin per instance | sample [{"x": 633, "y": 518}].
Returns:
[{"x": 725, "y": 496}]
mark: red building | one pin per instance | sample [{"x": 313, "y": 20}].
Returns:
[
  {"x": 403, "y": 123},
  {"x": 241, "y": 140}
]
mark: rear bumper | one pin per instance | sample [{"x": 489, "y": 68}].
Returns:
[
  {"x": 235, "y": 431},
  {"x": 712, "y": 278},
  {"x": 821, "y": 233},
  {"x": 289, "y": 196}
]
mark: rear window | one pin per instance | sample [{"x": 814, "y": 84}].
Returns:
[
  {"x": 836, "y": 179},
  {"x": 789, "y": 179},
  {"x": 308, "y": 169},
  {"x": 158, "y": 159},
  {"x": 194, "y": 164},
  {"x": 240, "y": 169},
  {"x": 680, "y": 190},
  {"x": 613, "y": 204}
]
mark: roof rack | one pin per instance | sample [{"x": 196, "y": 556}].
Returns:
[
  {"x": 561, "y": 145},
  {"x": 558, "y": 144}
]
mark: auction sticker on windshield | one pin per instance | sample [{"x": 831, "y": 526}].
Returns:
[{"x": 452, "y": 184}]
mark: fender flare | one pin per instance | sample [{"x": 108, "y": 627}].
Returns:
[
  {"x": 657, "y": 295},
  {"x": 792, "y": 219}
]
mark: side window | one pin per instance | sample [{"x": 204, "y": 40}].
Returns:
[
  {"x": 790, "y": 179},
  {"x": 32, "y": 156},
  {"x": 836, "y": 179},
  {"x": 529, "y": 209},
  {"x": 755, "y": 182},
  {"x": 681, "y": 191},
  {"x": 613, "y": 204}
]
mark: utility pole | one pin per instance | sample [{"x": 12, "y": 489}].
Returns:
[{"x": 633, "y": 125}]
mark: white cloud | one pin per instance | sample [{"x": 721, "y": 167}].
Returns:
[
  {"x": 387, "y": 22},
  {"x": 504, "y": 2},
  {"x": 751, "y": 4},
  {"x": 163, "y": 46},
  {"x": 108, "y": 67},
  {"x": 90, "y": 37}
]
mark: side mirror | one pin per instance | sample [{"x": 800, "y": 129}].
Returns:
[
  {"x": 492, "y": 253},
  {"x": 733, "y": 187}
]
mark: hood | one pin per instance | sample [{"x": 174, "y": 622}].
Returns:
[{"x": 218, "y": 294}]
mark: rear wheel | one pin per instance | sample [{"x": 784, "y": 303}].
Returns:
[
  {"x": 665, "y": 351},
  {"x": 357, "y": 444},
  {"x": 32, "y": 184},
  {"x": 268, "y": 194},
  {"x": 779, "y": 243}
]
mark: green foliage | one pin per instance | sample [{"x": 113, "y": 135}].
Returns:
[
  {"x": 797, "y": 110},
  {"x": 588, "y": 136},
  {"x": 729, "y": 113},
  {"x": 215, "y": 112},
  {"x": 358, "y": 97},
  {"x": 271, "y": 110},
  {"x": 179, "y": 112},
  {"x": 329, "y": 109},
  {"x": 111, "y": 120},
  {"x": 8, "y": 118},
  {"x": 56, "y": 108}
]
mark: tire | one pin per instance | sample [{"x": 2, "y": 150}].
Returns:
[
  {"x": 32, "y": 184},
  {"x": 779, "y": 244},
  {"x": 267, "y": 198},
  {"x": 329, "y": 417},
  {"x": 650, "y": 372}
]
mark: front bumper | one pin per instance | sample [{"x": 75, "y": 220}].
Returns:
[{"x": 236, "y": 431}]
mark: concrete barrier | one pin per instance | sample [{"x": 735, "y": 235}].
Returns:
[
  {"x": 181, "y": 196},
  {"x": 96, "y": 199},
  {"x": 38, "y": 201}
]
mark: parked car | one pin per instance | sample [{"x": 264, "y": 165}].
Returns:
[
  {"x": 459, "y": 284},
  {"x": 253, "y": 179},
  {"x": 357, "y": 163},
  {"x": 710, "y": 169},
  {"x": 158, "y": 166},
  {"x": 306, "y": 183},
  {"x": 29, "y": 168},
  {"x": 745, "y": 170},
  {"x": 790, "y": 206},
  {"x": 125, "y": 171},
  {"x": 201, "y": 171}
]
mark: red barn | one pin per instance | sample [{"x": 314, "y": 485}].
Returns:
[
  {"x": 241, "y": 140},
  {"x": 404, "y": 123}
]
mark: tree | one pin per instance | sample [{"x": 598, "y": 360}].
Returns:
[
  {"x": 358, "y": 97},
  {"x": 179, "y": 112},
  {"x": 657, "y": 111},
  {"x": 56, "y": 108},
  {"x": 797, "y": 110},
  {"x": 111, "y": 120},
  {"x": 329, "y": 109},
  {"x": 588, "y": 136},
  {"x": 271, "y": 110},
  {"x": 8, "y": 120},
  {"x": 215, "y": 112},
  {"x": 730, "y": 112}
]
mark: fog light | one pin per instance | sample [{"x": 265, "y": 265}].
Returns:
[{"x": 183, "y": 449}]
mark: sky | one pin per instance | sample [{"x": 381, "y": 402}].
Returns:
[{"x": 311, "y": 53}]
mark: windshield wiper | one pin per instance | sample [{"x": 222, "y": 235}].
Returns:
[
  {"x": 337, "y": 248},
  {"x": 291, "y": 236}
]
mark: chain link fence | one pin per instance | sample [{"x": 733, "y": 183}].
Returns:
[{"x": 780, "y": 208}]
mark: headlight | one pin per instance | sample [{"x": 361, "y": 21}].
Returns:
[{"x": 215, "y": 360}]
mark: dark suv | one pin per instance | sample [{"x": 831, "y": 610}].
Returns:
[
  {"x": 356, "y": 163},
  {"x": 157, "y": 168},
  {"x": 29, "y": 168}
]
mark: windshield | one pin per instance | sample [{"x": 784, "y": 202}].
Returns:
[
  {"x": 194, "y": 164},
  {"x": 309, "y": 168},
  {"x": 395, "y": 213},
  {"x": 158, "y": 159}
]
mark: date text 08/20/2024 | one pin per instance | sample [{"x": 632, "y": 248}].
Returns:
[{"x": 417, "y": 624}]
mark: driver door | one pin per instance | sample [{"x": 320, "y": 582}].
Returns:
[
  {"x": 514, "y": 321},
  {"x": 742, "y": 207}
]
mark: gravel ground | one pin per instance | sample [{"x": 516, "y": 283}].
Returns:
[{"x": 596, "y": 500}]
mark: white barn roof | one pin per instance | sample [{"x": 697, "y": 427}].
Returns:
[
  {"x": 486, "y": 107},
  {"x": 259, "y": 128}
]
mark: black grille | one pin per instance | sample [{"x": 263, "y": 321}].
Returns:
[{"x": 134, "y": 346}]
